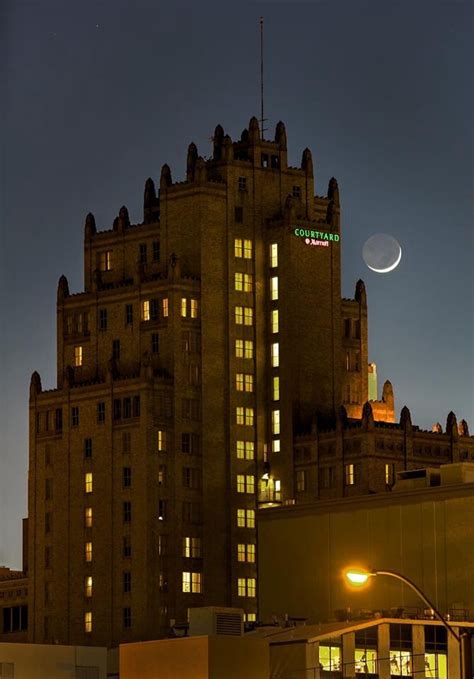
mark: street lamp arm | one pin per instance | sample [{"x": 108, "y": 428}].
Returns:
[{"x": 422, "y": 596}]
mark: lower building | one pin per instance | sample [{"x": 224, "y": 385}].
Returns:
[
  {"x": 40, "y": 661},
  {"x": 13, "y": 606}
]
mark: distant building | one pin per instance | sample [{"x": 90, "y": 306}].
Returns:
[{"x": 13, "y": 605}]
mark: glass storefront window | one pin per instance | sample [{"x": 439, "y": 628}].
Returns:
[
  {"x": 330, "y": 658},
  {"x": 400, "y": 663},
  {"x": 365, "y": 660},
  {"x": 436, "y": 665}
]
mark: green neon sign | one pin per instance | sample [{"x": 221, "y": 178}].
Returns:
[{"x": 316, "y": 238}]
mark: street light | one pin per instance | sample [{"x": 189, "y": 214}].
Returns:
[{"x": 358, "y": 577}]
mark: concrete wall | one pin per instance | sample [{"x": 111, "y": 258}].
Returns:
[{"x": 54, "y": 662}]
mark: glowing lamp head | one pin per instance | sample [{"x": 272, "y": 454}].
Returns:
[{"x": 357, "y": 576}]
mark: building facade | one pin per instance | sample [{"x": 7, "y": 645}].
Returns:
[{"x": 13, "y": 605}]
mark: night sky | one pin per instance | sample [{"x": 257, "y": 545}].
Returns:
[{"x": 95, "y": 97}]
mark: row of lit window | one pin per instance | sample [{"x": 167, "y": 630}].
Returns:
[
  {"x": 105, "y": 257},
  {"x": 351, "y": 476},
  {"x": 243, "y": 282},
  {"x": 79, "y": 352},
  {"x": 243, "y": 315},
  {"x": 244, "y": 416},
  {"x": 150, "y": 309},
  {"x": 247, "y": 587},
  {"x": 127, "y": 619},
  {"x": 275, "y": 349},
  {"x": 246, "y": 483}
]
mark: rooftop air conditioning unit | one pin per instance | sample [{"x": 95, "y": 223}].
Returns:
[{"x": 211, "y": 620}]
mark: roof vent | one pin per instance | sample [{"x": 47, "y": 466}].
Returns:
[{"x": 211, "y": 620}]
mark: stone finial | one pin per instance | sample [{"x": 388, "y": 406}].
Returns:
[
  {"x": 436, "y": 428},
  {"x": 245, "y": 135},
  {"x": 367, "y": 415},
  {"x": 333, "y": 190},
  {"x": 201, "y": 170},
  {"x": 387, "y": 394},
  {"x": 123, "y": 218},
  {"x": 452, "y": 424},
  {"x": 405, "y": 418},
  {"x": 89, "y": 227},
  {"x": 360, "y": 293},
  {"x": 63, "y": 289},
  {"x": 227, "y": 148},
  {"x": 149, "y": 195},
  {"x": 280, "y": 135},
  {"x": 35, "y": 384},
  {"x": 307, "y": 161},
  {"x": 254, "y": 130},
  {"x": 165, "y": 178},
  {"x": 191, "y": 162},
  {"x": 218, "y": 140},
  {"x": 463, "y": 428}
]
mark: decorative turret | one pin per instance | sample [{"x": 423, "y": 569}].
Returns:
[
  {"x": 387, "y": 394},
  {"x": 333, "y": 191},
  {"x": 201, "y": 171},
  {"x": 437, "y": 428},
  {"x": 149, "y": 195},
  {"x": 89, "y": 227},
  {"x": 360, "y": 293},
  {"x": 367, "y": 416},
  {"x": 244, "y": 137},
  {"x": 280, "y": 135},
  {"x": 35, "y": 385},
  {"x": 307, "y": 162},
  {"x": 165, "y": 179},
  {"x": 405, "y": 418},
  {"x": 254, "y": 130},
  {"x": 227, "y": 148},
  {"x": 218, "y": 141},
  {"x": 191, "y": 162},
  {"x": 452, "y": 425},
  {"x": 63, "y": 289},
  {"x": 463, "y": 428},
  {"x": 124, "y": 219}
]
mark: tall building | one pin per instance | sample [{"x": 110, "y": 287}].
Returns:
[{"x": 210, "y": 340}]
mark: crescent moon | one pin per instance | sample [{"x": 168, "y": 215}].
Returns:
[{"x": 389, "y": 268}]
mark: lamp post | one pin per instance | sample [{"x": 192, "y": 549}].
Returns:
[{"x": 359, "y": 577}]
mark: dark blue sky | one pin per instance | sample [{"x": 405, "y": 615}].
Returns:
[{"x": 97, "y": 96}]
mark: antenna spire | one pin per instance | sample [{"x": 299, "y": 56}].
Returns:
[{"x": 262, "y": 117}]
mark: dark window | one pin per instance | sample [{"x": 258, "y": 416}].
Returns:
[
  {"x": 357, "y": 328},
  {"x": 127, "y": 617},
  {"x": 15, "y": 619},
  {"x": 153, "y": 309},
  {"x": 48, "y": 556},
  {"x": 101, "y": 411},
  {"x": 128, "y": 314},
  {"x": 116, "y": 349},
  {"x": 155, "y": 343},
  {"x": 59, "y": 419},
  {"x": 87, "y": 447},
  {"x": 264, "y": 159},
  {"x": 296, "y": 191},
  {"x": 192, "y": 512},
  {"x": 186, "y": 443},
  {"x": 347, "y": 327},
  {"x": 435, "y": 638},
  {"x": 75, "y": 416},
  {"x": 275, "y": 161},
  {"x": 162, "y": 507},
  {"x": 136, "y": 406},
  {"x": 162, "y": 545},
  {"x": 127, "y": 546},
  {"x": 127, "y": 581},
  {"x": 142, "y": 253},
  {"x": 127, "y": 511},
  {"x": 191, "y": 477},
  {"x": 242, "y": 184},
  {"x": 239, "y": 215},
  {"x": 190, "y": 443},
  {"x": 102, "y": 319},
  {"x": 127, "y": 477},
  {"x": 127, "y": 407},
  {"x": 47, "y": 522},
  {"x": 117, "y": 409},
  {"x": 156, "y": 250}
]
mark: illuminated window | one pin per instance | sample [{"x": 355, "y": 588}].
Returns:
[
  {"x": 366, "y": 661},
  {"x": 276, "y": 446},
  {"x": 240, "y": 447},
  {"x": 241, "y": 587},
  {"x": 248, "y": 315},
  {"x": 301, "y": 480},
  {"x": 162, "y": 475},
  {"x": 349, "y": 475},
  {"x": 247, "y": 249},
  {"x": 77, "y": 356},
  {"x": 241, "y": 483},
  {"x": 239, "y": 281},
  {"x": 330, "y": 658},
  {"x": 389, "y": 473},
  {"x": 251, "y": 587},
  {"x": 184, "y": 307},
  {"x": 274, "y": 287},
  {"x": 275, "y": 354},
  {"x": 241, "y": 552},
  {"x": 161, "y": 441},
  {"x": 275, "y": 320},
  {"x": 250, "y": 518},
  {"x": 248, "y": 382},
  {"x": 88, "y": 622},
  {"x": 192, "y": 548},
  {"x": 239, "y": 315},
  {"x": 248, "y": 346},
  {"x": 88, "y": 551},
  {"x": 275, "y": 422},
  {"x": 239, "y": 381},
  {"x": 105, "y": 260},
  {"x": 249, "y": 417},
  {"x": 239, "y": 348},
  {"x": 251, "y": 553},
  {"x": 276, "y": 388},
  {"x": 248, "y": 282},
  {"x": 88, "y": 586},
  {"x": 239, "y": 415},
  {"x": 277, "y": 489},
  {"x": 88, "y": 517},
  {"x": 241, "y": 518},
  {"x": 88, "y": 482},
  {"x": 400, "y": 663},
  {"x": 348, "y": 361},
  {"x": 146, "y": 310},
  {"x": 193, "y": 308},
  {"x": 273, "y": 255},
  {"x": 165, "y": 307},
  {"x": 250, "y": 617},
  {"x": 192, "y": 582},
  {"x": 238, "y": 251}
]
